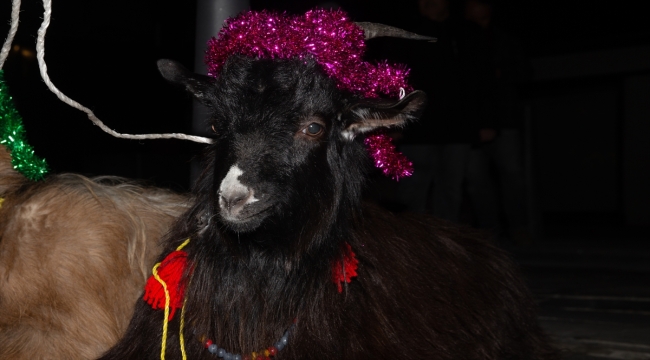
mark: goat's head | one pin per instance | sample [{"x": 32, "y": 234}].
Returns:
[{"x": 286, "y": 140}]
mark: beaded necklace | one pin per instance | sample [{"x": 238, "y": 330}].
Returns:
[{"x": 265, "y": 354}]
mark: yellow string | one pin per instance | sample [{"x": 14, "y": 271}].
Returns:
[
  {"x": 181, "y": 246},
  {"x": 182, "y": 340},
  {"x": 1, "y": 201},
  {"x": 163, "y": 346}
]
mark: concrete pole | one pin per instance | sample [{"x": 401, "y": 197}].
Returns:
[{"x": 210, "y": 15}]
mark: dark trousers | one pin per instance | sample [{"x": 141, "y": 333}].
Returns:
[
  {"x": 439, "y": 172},
  {"x": 507, "y": 192}
]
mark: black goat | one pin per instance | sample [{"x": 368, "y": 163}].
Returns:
[{"x": 278, "y": 204}]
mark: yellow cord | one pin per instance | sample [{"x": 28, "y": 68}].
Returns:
[
  {"x": 182, "y": 340},
  {"x": 181, "y": 246},
  {"x": 163, "y": 346}
]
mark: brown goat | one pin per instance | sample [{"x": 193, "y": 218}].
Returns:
[{"x": 74, "y": 256}]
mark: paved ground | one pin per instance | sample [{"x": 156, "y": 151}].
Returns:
[{"x": 594, "y": 300}]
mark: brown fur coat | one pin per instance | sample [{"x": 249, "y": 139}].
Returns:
[{"x": 74, "y": 256}]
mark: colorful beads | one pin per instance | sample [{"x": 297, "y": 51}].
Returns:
[
  {"x": 266, "y": 354},
  {"x": 272, "y": 351}
]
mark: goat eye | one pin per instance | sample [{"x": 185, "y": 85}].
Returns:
[{"x": 313, "y": 129}]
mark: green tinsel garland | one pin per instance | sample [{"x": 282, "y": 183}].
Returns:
[{"x": 12, "y": 136}]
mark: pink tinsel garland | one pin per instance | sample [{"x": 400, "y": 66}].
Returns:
[
  {"x": 329, "y": 37},
  {"x": 391, "y": 162}
]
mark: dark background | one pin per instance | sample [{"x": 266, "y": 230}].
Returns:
[{"x": 588, "y": 101}]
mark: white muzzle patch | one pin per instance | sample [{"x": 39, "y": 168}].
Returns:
[{"x": 233, "y": 195}]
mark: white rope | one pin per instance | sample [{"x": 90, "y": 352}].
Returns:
[
  {"x": 15, "y": 13},
  {"x": 40, "y": 55}
]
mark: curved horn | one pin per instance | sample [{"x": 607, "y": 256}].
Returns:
[{"x": 373, "y": 30}]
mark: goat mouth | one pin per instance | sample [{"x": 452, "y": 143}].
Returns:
[{"x": 248, "y": 221}]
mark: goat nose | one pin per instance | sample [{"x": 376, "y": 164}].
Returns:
[{"x": 234, "y": 201}]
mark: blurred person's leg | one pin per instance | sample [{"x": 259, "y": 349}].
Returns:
[
  {"x": 448, "y": 177},
  {"x": 481, "y": 187},
  {"x": 413, "y": 191},
  {"x": 510, "y": 168}
]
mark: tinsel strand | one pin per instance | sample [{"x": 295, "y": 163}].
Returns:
[
  {"x": 12, "y": 136},
  {"x": 391, "y": 162},
  {"x": 328, "y": 37}
]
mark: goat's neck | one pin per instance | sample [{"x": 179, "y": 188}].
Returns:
[{"x": 247, "y": 295}]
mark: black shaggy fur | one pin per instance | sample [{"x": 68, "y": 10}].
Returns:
[{"x": 425, "y": 289}]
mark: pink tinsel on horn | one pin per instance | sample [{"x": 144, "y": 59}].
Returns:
[
  {"x": 385, "y": 157},
  {"x": 328, "y": 37}
]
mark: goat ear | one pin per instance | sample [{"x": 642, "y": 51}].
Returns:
[
  {"x": 197, "y": 85},
  {"x": 369, "y": 116}
]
